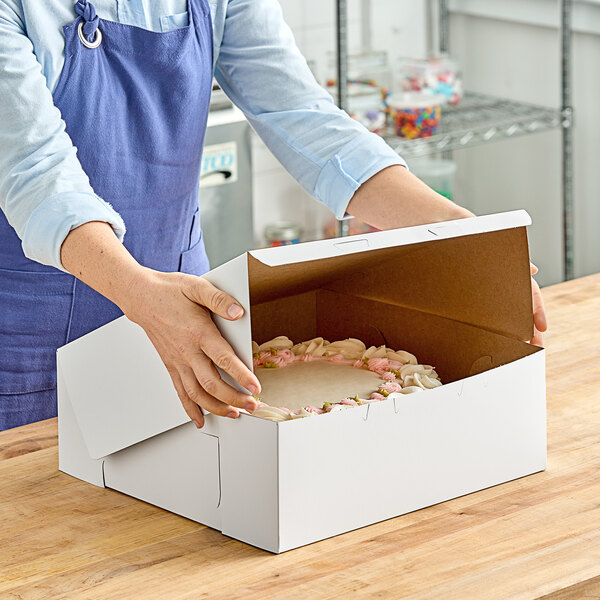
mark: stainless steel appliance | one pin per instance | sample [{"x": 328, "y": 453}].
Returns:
[{"x": 226, "y": 186}]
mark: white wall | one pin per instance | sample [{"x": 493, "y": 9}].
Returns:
[
  {"x": 518, "y": 57},
  {"x": 506, "y": 47}
]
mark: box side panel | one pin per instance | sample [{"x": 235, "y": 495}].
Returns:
[
  {"x": 249, "y": 486},
  {"x": 345, "y": 470},
  {"x": 456, "y": 349},
  {"x": 73, "y": 456},
  {"x": 177, "y": 470}
]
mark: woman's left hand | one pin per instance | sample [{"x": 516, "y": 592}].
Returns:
[{"x": 540, "y": 323}]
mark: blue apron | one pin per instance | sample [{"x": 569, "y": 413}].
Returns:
[{"x": 135, "y": 103}]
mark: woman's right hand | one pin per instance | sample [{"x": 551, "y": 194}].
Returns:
[{"x": 174, "y": 309}]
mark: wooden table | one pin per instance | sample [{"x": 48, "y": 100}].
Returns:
[{"x": 538, "y": 536}]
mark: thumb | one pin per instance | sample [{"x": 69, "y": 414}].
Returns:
[{"x": 201, "y": 291}]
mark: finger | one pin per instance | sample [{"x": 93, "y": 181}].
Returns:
[
  {"x": 221, "y": 353},
  {"x": 199, "y": 396},
  {"x": 537, "y": 338},
  {"x": 203, "y": 292},
  {"x": 533, "y": 268},
  {"x": 209, "y": 379},
  {"x": 539, "y": 312},
  {"x": 193, "y": 411}
]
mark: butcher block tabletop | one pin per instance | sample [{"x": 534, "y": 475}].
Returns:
[{"x": 535, "y": 537}]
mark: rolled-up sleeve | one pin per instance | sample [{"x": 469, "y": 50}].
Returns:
[
  {"x": 44, "y": 191},
  {"x": 261, "y": 69}
]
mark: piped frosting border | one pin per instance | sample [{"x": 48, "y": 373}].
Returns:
[{"x": 399, "y": 371}]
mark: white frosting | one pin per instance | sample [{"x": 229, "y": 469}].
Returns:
[{"x": 280, "y": 342}]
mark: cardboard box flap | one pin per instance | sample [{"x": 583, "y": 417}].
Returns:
[
  {"x": 120, "y": 390},
  {"x": 472, "y": 270}
]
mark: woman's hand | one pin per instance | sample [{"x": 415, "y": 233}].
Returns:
[
  {"x": 540, "y": 323},
  {"x": 174, "y": 309},
  {"x": 394, "y": 197}
]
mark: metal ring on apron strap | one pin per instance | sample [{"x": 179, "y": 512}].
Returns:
[{"x": 97, "y": 40}]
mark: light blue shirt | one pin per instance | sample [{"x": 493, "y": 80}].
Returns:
[{"x": 44, "y": 191}]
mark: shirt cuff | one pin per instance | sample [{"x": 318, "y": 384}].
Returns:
[
  {"x": 356, "y": 162},
  {"x": 51, "y": 222}
]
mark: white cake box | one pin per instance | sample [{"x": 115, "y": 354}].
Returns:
[{"x": 456, "y": 294}]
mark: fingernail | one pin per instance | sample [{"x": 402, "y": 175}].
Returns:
[
  {"x": 233, "y": 414},
  {"x": 250, "y": 406},
  {"x": 198, "y": 424},
  {"x": 253, "y": 389},
  {"x": 235, "y": 311}
]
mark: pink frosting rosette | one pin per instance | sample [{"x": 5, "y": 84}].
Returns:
[
  {"x": 278, "y": 361},
  {"x": 288, "y": 355},
  {"x": 388, "y": 376},
  {"x": 337, "y": 358},
  {"x": 306, "y": 357},
  {"x": 395, "y": 365},
  {"x": 376, "y": 396},
  {"x": 378, "y": 365},
  {"x": 349, "y": 402},
  {"x": 390, "y": 387}
]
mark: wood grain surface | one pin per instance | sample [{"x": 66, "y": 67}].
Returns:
[{"x": 534, "y": 537}]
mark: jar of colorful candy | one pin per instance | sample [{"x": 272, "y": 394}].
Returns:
[
  {"x": 368, "y": 86},
  {"x": 415, "y": 115},
  {"x": 433, "y": 75}
]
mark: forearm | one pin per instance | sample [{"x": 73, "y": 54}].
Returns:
[
  {"x": 394, "y": 197},
  {"x": 94, "y": 254}
]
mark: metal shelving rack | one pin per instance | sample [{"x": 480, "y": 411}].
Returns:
[{"x": 480, "y": 119}]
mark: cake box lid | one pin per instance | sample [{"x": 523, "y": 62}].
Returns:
[{"x": 473, "y": 270}]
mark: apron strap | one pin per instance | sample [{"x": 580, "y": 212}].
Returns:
[{"x": 87, "y": 12}]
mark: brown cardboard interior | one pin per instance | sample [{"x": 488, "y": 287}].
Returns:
[
  {"x": 464, "y": 279},
  {"x": 294, "y": 316},
  {"x": 456, "y": 349}
]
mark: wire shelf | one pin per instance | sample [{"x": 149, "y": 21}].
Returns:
[{"x": 478, "y": 119}]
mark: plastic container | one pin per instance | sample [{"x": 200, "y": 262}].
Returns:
[
  {"x": 282, "y": 234},
  {"x": 437, "y": 173},
  {"x": 414, "y": 114},
  {"x": 434, "y": 75},
  {"x": 368, "y": 85}
]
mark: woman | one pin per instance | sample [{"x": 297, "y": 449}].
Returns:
[{"x": 102, "y": 123}]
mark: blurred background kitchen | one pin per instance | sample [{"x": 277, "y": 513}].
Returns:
[{"x": 474, "y": 94}]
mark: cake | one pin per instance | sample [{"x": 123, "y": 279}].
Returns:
[{"x": 304, "y": 379}]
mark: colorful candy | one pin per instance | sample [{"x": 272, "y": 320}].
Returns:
[
  {"x": 415, "y": 115},
  {"x": 417, "y": 122}
]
